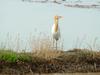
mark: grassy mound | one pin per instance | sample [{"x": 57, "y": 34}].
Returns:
[{"x": 49, "y": 61}]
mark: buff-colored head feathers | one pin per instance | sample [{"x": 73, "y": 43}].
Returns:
[{"x": 56, "y": 18}]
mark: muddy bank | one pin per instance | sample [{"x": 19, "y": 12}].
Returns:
[{"x": 50, "y": 66}]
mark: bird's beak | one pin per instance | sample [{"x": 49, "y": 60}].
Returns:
[{"x": 60, "y": 16}]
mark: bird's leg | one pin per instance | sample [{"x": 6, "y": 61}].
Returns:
[
  {"x": 53, "y": 43},
  {"x": 56, "y": 44}
]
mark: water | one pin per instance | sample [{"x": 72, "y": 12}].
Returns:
[{"x": 79, "y": 27}]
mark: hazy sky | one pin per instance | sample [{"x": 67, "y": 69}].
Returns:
[{"x": 25, "y": 18}]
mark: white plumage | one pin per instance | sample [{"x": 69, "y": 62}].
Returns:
[
  {"x": 56, "y": 35},
  {"x": 56, "y": 29}
]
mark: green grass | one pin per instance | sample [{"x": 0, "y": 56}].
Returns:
[{"x": 11, "y": 56}]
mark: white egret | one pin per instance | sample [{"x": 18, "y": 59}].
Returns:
[{"x": 56, "y": 30}]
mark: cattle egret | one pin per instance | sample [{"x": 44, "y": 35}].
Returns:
[{"x": 56, "y": 30}]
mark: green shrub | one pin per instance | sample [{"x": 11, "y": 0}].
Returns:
[
  {"x": 24, "y": 57},
  {"x": 8, "y": 56},
  {"x": 11, "y": 56}
]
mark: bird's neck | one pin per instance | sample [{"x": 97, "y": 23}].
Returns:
[{"x": 56, "y": 25}]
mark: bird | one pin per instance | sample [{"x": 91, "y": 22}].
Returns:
[{"x": 56, "y": 30}]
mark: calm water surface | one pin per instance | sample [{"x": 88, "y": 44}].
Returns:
[{"x": 79, "y": 26}]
